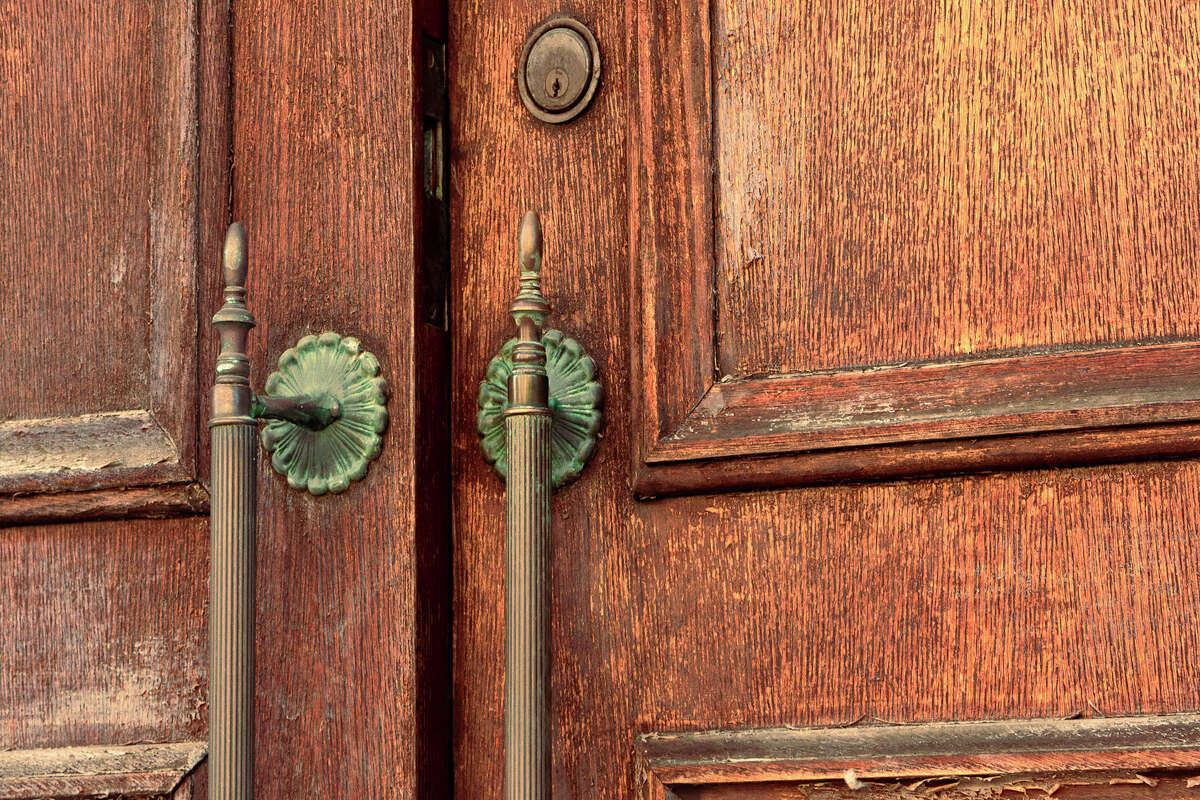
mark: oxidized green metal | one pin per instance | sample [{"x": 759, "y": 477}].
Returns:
[
  {"x": 333, "y": 423},
  {"x": 575, "y": 402}
]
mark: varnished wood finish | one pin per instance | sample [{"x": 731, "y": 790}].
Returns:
[
  {"x": 942, "y": 220},
  {"x": 1046, "y": 593},
  {"x": 911, "y": 182},
  {"x": 132, "y": 771},
  {"x": 353, "y": 597}
]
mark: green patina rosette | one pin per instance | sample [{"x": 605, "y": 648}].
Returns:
[
  {"x": 575, "y": 400},
  {"x": 327, "y": 460}
]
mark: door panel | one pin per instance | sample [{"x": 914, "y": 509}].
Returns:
[
  {"x": 103, "y": 640},
  {"x": 115, "y": 177},
  {"x": 902, "y": 182},
  {"x": 113, "y": 181},
  {"x": 906, "y": 227},
  {"x": 1026, "y": 594}
]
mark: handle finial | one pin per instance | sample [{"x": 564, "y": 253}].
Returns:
[
  {"x": 529, "y": 244},
  {"x": 529, "y": 305},
  {"x": 233, "y": 259}
]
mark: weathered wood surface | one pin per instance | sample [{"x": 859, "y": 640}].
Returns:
[
  {"x": 1109, "y": 757},
  {"x": 943, "y": 749},
  {"x": 103, "y": 634},
  {"x": 941, "y": 220},
  {"x": 353, "y": 589},
  {"x": 92, "y": 451},
  {"x": 114, "y": 121},
  {"x": 1065, "y": 391},
  {"x": 134, "y": 771},
  {"x": 99, "y": 212},
  {"x": 155, "y": 502},
  {"x": 1104, "y": 785},
  {"x": 1032, "y": 594}
]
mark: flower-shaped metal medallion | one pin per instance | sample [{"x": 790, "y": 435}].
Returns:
[
  {"x": 575, "y": 400},
  {"x": 327, "y": 460}
]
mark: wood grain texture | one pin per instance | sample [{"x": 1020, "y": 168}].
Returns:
[
  {"x": 133, "y": 771},
  {"x": 115, "y": 128},
  {"x": 102, "y": 634},
  {"x": 1032, "y": 594},
  {"x": 981, "y": 258},
  {"x": 90, "y": 451},
  {"x": 1067, "y": 391},
  {"x": 353, "y": 589},
  {"x": 905, "y": 182},
  {"x": 114, "y": 122},
  {"x": 99, "y": 216}
]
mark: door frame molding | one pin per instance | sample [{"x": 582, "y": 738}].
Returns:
[{"x": 1098, "y": 746}]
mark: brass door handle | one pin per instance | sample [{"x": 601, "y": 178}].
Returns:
[
  {"x": 325, "y": 420},
  {"x": 539, "y": 415}
]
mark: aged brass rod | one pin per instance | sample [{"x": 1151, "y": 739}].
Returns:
[
  {"x": 527, "y": 743},
  {"x": 232, "y": 529}
]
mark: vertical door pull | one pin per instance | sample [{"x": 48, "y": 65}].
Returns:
[
  {"x": 322, "y": 434},
  {"x": 539, "y": 414}
]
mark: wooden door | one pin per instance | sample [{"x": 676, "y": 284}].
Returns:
[
  {"x": 895, "y": 311},
  {"x": 131, "y": 133}
]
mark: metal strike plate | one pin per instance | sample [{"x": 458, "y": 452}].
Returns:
[{"x": 559, "y": 70}]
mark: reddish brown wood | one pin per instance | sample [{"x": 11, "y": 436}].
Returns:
[
  {"x": 1122, "y": 785},
  {"x": 1112, "y": 757},
  {"x": 114, "y": 121},
  {"x": 119, "y": 180},
  {"x": 919, "y": 459},
  {"x": 353, "y": 640},
  {"x": 826, "y": 259},
  {"x": 945, "y": 749},
  {"x": 100, "y": 211},
  {"x": 1065, "y": 391}
]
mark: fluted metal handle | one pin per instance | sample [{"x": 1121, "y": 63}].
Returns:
[
  {"x": 232, "y": 529},
  {"x": 527, "y": 419}
]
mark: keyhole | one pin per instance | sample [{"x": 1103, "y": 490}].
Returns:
[{"x": 557, "y": 84}]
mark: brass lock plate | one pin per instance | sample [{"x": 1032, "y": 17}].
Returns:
[{"x": 559, "y": 70}]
